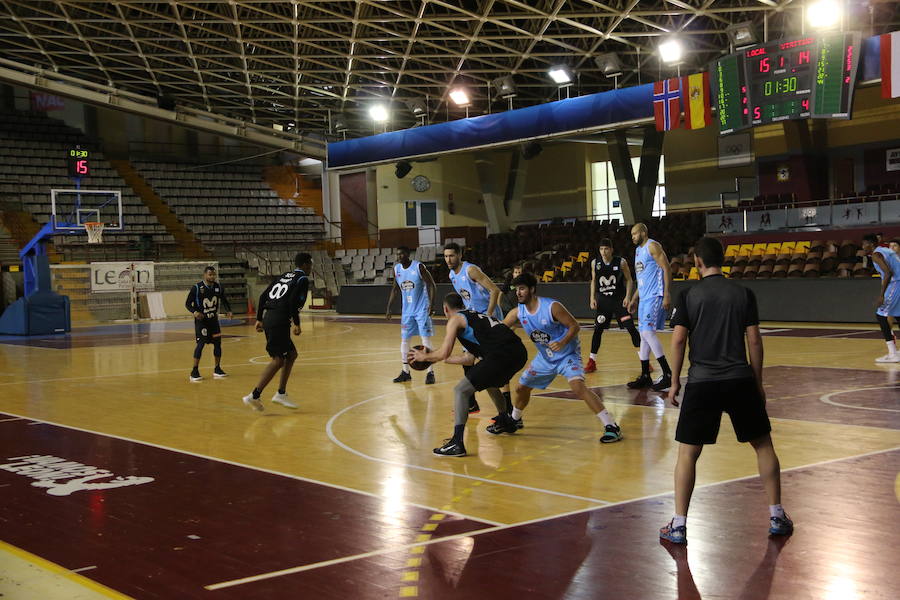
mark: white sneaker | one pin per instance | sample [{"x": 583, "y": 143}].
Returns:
[
  {"x": 254, "y": 403},
  {"x": 283, "y": 400},
  {"x": 889, "y": 358}
]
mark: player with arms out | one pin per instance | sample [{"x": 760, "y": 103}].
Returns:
[
  {"x": 887, "y": 263},
  {"x": 502, "y": 355},
  {"x": 611, "y": 291},
  {"x": 653, "y": 290},
  {"x": 279, "y": 306},
  {"x": 416, "y": 287},
  {"x": 554, "y": 331},
  {"x": 203, "y": 302}
]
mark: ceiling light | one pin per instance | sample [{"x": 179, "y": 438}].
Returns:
[
  {"x": 823, "y": 14},
  {"x": 341, "y": 123},
  {"x": 459, "y": 97},
  {"x": 610, "y": 64},
  {"x": 670, "y": 51},
  {"x": 504, "y": 86},
  {"x": 742, "y": 34},
  {"x": 560, "y": 74},
  {"x": 378, "y": 113},
  {"x": 417, "y": 107}
]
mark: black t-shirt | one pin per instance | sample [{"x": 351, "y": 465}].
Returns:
[
  {"x": 717, "y": 313},
  {"x": 609, "y": 279},
  {"x": 484, "y": 335},
  {"x": 283, "y": 299},
  {"x": 206, "y": 299}
]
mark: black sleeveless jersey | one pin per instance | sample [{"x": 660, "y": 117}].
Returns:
[
  {"x": 206, "y": 299},
  {"x": 284, "y": 298},
  {"x": 610, "y": 279},
  {"x": 484, "y": 335}
]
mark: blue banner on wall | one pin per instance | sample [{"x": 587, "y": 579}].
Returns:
[{"x": 572, "y": 114}]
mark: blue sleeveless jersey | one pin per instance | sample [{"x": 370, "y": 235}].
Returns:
[
  {"x": 474, "y": 296},
  {"x": 649, "y": 275},
  {"x": 415, "y": 295},
  {"x": 893, "y": 263},
  {"x": 543, "y": 329}
]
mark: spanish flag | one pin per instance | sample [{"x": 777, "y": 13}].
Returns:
[{"x": 695, "y": 98}]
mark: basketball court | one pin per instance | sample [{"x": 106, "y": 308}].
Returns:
[{"x": 186, "y": 493}]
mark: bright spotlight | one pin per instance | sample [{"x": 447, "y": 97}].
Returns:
[
  {"x": 823, "y": 14},
  {"x": 459, "y": 97},
  {"x": 671, "y": 51},
  {"x": 379, "y": 113},
  {"x": 560, "y": 74}
]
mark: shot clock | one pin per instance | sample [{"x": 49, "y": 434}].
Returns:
[
  {"x": 78, "y": 161},
  {"x": 810, "y": 76}
]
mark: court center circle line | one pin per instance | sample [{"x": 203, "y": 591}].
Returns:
[{"x": 827, "y": 398}]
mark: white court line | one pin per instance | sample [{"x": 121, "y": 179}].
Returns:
[
  {"x": 261, "y": 469},
  {"x": 827, "y": 398},
  {"x": 84, "y": 569},
  {"x": 407, "y": 547},
  {"x": 12, "y": 419},
  {"x": 840, "y": 335},
  {"x": 108, "y": 375},
  {"x": 329, "y": 429}
]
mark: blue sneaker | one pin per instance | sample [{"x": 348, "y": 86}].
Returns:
[
  {"x": 781, "y": 525},
  {"x": 676, "y": 535},
  {"x": 611, "y": 434}
]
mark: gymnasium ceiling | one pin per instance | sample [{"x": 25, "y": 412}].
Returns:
[{"x": 294, "y": 61}]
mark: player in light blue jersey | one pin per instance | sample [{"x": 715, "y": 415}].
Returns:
[
  {"x": 416, "y": 288},
  {"x": 651, "y": 267},
  {"x": 479, "y": 294},
  {"x": 554, "y": 332},
  {"x": 887, "y": 263}
]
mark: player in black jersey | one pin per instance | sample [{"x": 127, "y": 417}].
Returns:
[
  {"x": 502, "y": 355},
  {"x": 203, "y": 302},
  {"x": 278, "y": 306},
  {"x": 611, "y": 289}
]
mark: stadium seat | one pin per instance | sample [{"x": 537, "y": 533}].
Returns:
[
  {"x": 764, "y": 272},
  {"x": 726, "y": 271},
  {"x": 737, "y": 272},
  {"x": 844, "y": 269},
  {"x": 548, "y": 276},
  {"x": 811, "y": 269},
  {"x": 796, "y": 269},
  {"x": 694, "y": 273},
  {"x": 779, "y": 271},
  {"x": 750, "y": 271}
]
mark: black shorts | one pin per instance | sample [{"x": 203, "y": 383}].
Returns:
[
  {"x": 607, "y": 310},
  {"x": 705, "y": 401},
  {"x": 496, "y": 369},
  {"x": 278, "y": 338},
  {"x": 206, "y": 329}
]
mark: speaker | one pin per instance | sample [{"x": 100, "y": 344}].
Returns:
[
  {"x": 531, "y": 150},
  {"x": 165, "y": 102},
  {"x": 403, "y": 169}
]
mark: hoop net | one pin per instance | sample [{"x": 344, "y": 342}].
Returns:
[{"x": 94, "y": 232}]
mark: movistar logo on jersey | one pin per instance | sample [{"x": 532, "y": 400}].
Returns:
[
  {"x": 606, "y": 284},
  {"x": 465, "y": 295},
  {"x": 639, "y": 267},
  {"x": 540, "y": 337},
  {"x": 407, "y": 286}
]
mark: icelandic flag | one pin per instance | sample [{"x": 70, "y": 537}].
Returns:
[{"x": 667, "y": 104}]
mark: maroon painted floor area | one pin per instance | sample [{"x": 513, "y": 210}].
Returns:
[
  {"x": 839, "y": 550},
  {"x": 869, "y": 398},
  {"x": 200, "y": 521}
]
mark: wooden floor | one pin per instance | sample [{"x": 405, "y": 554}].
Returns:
[{"x": 343, "y": 497}]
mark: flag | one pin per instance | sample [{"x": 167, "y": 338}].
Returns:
[
  {"x": 667, "y": 104},
  {"x": 697, "y": 110},
  {"x": 890, "y": 65}
]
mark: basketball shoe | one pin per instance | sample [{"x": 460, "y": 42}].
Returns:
[
  {"x": 591, "y": 366},
  {"x": 612, "y": 433},
  {"x": 889, "y": 358},
  {"x": 451, "y": 448},
  {"x": 254, "y": 403},
  {"x": 196, "y": 376},
  {"x": 403, "y": 376},
  {"x": 218, "y": 373},
  {"x": 781, "y": 525},
  {"x": 473, "y": 406},
  {"x": 676, "y": 535},
  {"x": 283, "y": 400},
  {"x": 641, "y": 382},
  {"x": 662, "y": 384},
  {"x": 429, "y": 378},
  {"x": 503, "y": 424}
]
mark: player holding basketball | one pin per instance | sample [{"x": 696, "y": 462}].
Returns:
[
  {"x": 502, "y": 355},
  {"x": 555, "y": 333},
  {"x": 887, "y": 263},
  {"x": 478, "y": 292},
  {"x": 716, "y": 315},
  {"x": 611, "y": 290},
  {"x": 653, "y": 290},
  {"x": 279, "y": 305},
  {"x": 416, "y": 288},
  {"x": 203, "y": 301}
]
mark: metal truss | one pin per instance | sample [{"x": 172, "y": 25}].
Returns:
[{"x": 301, "y": 64}]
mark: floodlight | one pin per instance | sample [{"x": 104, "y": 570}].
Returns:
[
  {"x": 379, "y": 113},
  {"x": 560, "y": 74},
  {"x": 742, "y": 34},
  {"x": 823, "y": 14},
  {"x": 670, "y": 51},
  {"x": 504, "y": 86},
  {"x": 459, "y": 97},
  {"x": 610, "y": 64},
  {"x": 341, "y": 123},
  {"x": 417, "y": 107}
]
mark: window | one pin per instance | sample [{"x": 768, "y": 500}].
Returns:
[
  {"x": 605, "y": 194},
  {"x": 421, "y": 214}
]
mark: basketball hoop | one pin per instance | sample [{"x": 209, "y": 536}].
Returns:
[{"x": 94, "y": 232}]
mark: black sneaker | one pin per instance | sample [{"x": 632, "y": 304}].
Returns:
[
  {"x": 505, "y": 424},
  {"x": 519, "y": 423},
  {"x": 473, "y": 406},
  {"x": 196, "y": 376},
  {"x": 643, "y": 381},
  {"x": 429, "y": 378},
  {"x": 403, "y": 376},
  {"x": 611, "y": 434},
  {"x": 218, "y": 373},
  {"x": 664, "y": 383},
  {"x": 451, "y": 448}
]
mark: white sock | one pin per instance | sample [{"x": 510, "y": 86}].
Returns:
[
  {"x": 644, "y": 350},
  {"x": 404, "y": 350},
  {"x": 593, "y": 356},
  {"x": 516, "y": 413},
  {"x": 604, "y": 416},
  {"x": 775, "y": 510},
  {"x": 679, "y": 521},
  {"x": 426, "y": 341},
  {"x": 405, "y": 368},
  {"x": 892, "y": 347},
  {"x": 654, "y": 344}
]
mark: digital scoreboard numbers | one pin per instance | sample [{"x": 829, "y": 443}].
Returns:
[
  {"x": 812, "y": 76},
  {"x": 78, "y": 162}
]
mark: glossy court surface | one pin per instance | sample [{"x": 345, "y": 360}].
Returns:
[{"x": 167, "y": 489}]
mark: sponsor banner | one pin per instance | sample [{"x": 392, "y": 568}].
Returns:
[
  {"x": 117, "y": 276},
  {"x": 892, "y": 157},
  {"x": 809, "y": 216},
  {"x": 42, "y": 102},
  {"x": 62, "y": 477}
]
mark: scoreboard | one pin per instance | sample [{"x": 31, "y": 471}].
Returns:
[
  {"x": 78, "y": 163},
  {"x": 810, "y": 76}
]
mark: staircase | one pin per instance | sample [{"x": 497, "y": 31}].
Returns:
[
  {"x": 184, "y": 239},
  {"x": 292, "y": 186},
  {"x": 22, "y": 228}
]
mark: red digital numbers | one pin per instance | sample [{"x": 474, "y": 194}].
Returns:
[
  {"x": 757, "y": 112},
  {"x": 803, "y": 57},
  {"x": 805, "y": 103},
  {"x": 81, "y": 167},
  {"x": 764, "y": 66}
]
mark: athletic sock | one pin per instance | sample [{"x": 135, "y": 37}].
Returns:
[
  {"x": 607, "y": 418},
  {"x": 645, "y": 367},
  {"x": 679, "y": 521},
  {"x": 508, "y": 400},
  {"x": 593, "y": 356},
  {"x": 775, "y": 510},
  {"x": 892, "y": 347},
  {"x": 664, "y": 365},
  {"x": 405, "y": 368},
  {"x": 430, "y": 369},
  {"x": 516, "y": 413},
  {"x": 458, "y": 431},
  {"x": 282, "y": 391},
  {"x": 256, "y": 393}
]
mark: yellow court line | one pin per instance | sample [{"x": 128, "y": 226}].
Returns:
[{"x": 62, "y": 571}]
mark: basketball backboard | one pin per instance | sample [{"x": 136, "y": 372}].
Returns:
[{"x": 71, "y": 209}]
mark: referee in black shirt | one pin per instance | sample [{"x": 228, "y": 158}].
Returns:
[{"x": 715, "y": 315}]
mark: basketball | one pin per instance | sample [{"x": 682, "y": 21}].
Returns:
[{"x": 420, "y": 365}]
